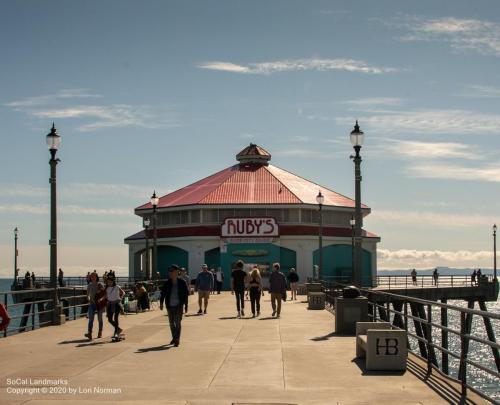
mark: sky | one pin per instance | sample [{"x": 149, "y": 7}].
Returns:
[{"x": 158, "y": 94}]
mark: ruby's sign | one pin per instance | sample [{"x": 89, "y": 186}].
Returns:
[{"x": 249, "y": 227}]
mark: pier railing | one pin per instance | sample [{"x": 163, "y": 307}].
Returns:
[
  {"x": 441, "y": 335},
  {"x": 428, "y": 281},
  {"x": 33, "y": 308}
]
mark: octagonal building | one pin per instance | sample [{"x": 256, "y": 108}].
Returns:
[{"x": 258, "y": 213}]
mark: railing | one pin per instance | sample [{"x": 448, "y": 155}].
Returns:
[
  {"x": 451, "y": 337},
  {"x": 38, "y": 309},
  {"x": 428, "y": 281},
  {"x": 44, "y": 281}
]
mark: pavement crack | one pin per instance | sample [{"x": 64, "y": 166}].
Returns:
[
  {"x": 282, "y": 355},
  {"x": 226, "y": 356}
]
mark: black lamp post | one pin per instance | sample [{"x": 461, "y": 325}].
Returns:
[
  {"x": 320, "y": 199},
  {"x": 352, "y": 222},
  {"x": 154, "y": 203},
  {"x": 16, "y": 270},
  {"x": 146, "y": 223},
  {"x": 495, "y": 253},
  {"x": 357, "y": 137},
  {"x": 53, "y": 141}
]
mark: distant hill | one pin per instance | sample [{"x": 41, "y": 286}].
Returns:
[{"x": 443, "y": 271}]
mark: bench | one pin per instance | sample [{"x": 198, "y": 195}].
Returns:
[{"x": 383, "y": 347}]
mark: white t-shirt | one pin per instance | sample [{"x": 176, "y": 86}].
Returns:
[
  {"x": 218, "y": 275},
  {"x": 113, "y": 293}
]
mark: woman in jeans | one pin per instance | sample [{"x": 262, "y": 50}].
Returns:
[
  {"x": 114, "y": 295},
  {"x": 255, "y": 287}
]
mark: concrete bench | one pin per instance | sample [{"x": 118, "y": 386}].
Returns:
[
  {"x": 316, "y": 300},
  {"x": 384, "y": 348},
  {"x": 301, "y": 289}
]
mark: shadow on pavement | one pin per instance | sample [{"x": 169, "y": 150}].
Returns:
[
  {"x": 228, "y": 317},
  {"x": 360, "y": 362},
  {"x": 68, "y": 342},
  {"x": 187, "y": 315},
  {"x": 154, "y": 348},
  {"x": 267, "y": 318},
  {"x": 438, "y": 383},
  {"x": 325, "y": 337}
]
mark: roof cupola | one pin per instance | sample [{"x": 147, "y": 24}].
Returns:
[{"x": 253, "y": 154}]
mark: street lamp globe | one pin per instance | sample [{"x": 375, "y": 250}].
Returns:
[
  {"x": 147, "y": 222},
  {"x": 154, "y": 199},
  {"x": 352, "y": 221},
  {"x": 16, "y": 231},
  {"x": 357, "y": 136},
  {"x": 320, "y": 199},
  {"x": 495, "y": 228},
  {"x": 53, "y": 140}
]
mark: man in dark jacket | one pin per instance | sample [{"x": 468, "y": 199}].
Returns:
[
  {"x": 175, "y": 294},
  {"x": 277, "y": 289}
]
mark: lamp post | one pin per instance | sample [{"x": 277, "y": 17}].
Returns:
[
  {"x": 357, "y": 137},
  {"x": 154, "y": 203},
  {"x": 495, "y": 253},
  {"x": 16, "y": 271},
  {"x": 320, "y": 199},
  {"x": 53, "y": 141},
  {"x": 352, "y": 222},
  {"x": 146, "y": 224}
]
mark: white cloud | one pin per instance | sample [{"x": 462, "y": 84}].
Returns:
[
  {"x": 480, "y": 91},
  {"x": 489, "y": 173},
  {"x": 116, "y": 115},
  {"x": 437, "y": 219},
  {"x": 375, "y": 101},
  {"x": 431, "y": 150},
  {"x": 424, "y": 259},
  {"x": 60, "y": 106},
  {"x": 23, "y": 190},
  {"x": 461, "y": 34},
  {"x": 430, "y": 121},
  {"x": 290, "y": 65},
  {"x": 51, "y": 98}
]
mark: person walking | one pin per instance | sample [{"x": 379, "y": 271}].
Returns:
[
  {"x": 175, "y": 294},
  {"x": 293, "y": 279},
  {"x": 255, "y": 287},
  {"x": 238, "y": 280},
  {"x": 435, "y": 277},
  {"x": 204, "y": 284},
  {"x": 5, "y": 317},
  {"x": 414, "y": 277},
  {"x": 60, "y": 278},
  {"x": 219, "y": 279},
  {"x": 185, "y": 276},
  {"x": 114, "y": 295},
  {"x": 473, "y": 277},
  {"x": 92, "y": 290},
  {"x": 478, "y": 277},
  {"x": 277, "y": 289}
]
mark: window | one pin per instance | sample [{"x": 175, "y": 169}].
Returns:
[
  {"x": 275, "y": 213},
  {"x": 227, "y": 213},
  {"x": 195, "y": 216},
  {"x": 306, "y": 216},
  {"x": 291, "y": 215},
  {"x": 210, "y": 216}
]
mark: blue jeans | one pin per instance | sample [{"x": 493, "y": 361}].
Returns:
[{"x": 92, "y": 311}]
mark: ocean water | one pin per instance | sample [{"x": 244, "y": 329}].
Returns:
[{"x": 477, "y": 352}]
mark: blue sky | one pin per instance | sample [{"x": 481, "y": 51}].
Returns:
[{"x": 157, "y": 94}]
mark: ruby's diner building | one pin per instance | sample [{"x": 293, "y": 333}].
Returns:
[{"x": 255, "y": 212}]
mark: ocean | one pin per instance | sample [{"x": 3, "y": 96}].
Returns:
[{"x": 477, "y": 352}]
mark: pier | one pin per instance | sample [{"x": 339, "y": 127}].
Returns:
[{"x": 297, "y": 359}]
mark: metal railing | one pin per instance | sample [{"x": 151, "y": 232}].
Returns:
[
  {"x": 38, "y": 309},
  {"x": 43, "y": 281},
  {"x": 428, "y": 281},
  {"x": 426, "y": 336}
]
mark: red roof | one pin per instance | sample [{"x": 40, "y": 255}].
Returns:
[{"x": 252, "y": 182}]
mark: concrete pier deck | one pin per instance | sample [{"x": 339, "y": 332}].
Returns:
[{"x": 296, "y": 359}]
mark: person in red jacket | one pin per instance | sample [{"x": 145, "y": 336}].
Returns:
[{"x": 5, "y": 317}]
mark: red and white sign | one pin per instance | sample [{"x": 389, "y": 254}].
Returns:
[{"x": 249, "y": 228}]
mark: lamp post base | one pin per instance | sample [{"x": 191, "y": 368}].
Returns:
[{"x": 58, "y": 317}]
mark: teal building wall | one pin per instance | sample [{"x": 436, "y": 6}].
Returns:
[
  {"x": 168, "y": 255},
  {"x": 337, "y": 263}
]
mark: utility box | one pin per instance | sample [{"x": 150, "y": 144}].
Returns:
[
  {"x": 316, "y": 300},
  {"x": 348, "y": 311}
]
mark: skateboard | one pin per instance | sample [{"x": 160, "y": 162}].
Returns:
[{"x": 117, "y": 338}]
